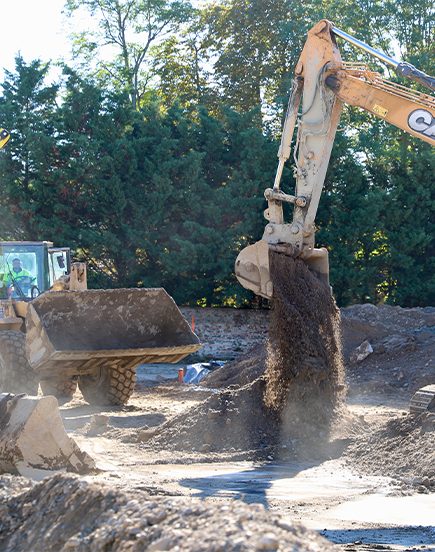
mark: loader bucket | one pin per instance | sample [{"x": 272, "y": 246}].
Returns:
[
  {"x": 124, "y": 326},
  {"x": 252, "y": 265}
]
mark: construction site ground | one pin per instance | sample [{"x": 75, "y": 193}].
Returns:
[{"x": 372, "y": 487}]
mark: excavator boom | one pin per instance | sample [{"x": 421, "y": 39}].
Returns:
[
  {"x": 317, "y": 124},
  {"x": 323, "y": 82}
]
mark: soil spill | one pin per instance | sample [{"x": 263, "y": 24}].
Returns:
[
  {"x": 290, "y": 398},
  {"x": 304, "y": 365}
]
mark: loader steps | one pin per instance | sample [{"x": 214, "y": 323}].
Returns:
[{"x": 423, "y": 400}]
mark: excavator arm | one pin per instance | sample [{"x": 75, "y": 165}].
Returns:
[{"x": 323, "y": 82}]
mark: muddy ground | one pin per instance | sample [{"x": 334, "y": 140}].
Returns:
[{"x": 370, "y": 485}]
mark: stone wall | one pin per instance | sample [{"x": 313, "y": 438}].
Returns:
[{"x": 225, "y": 333}]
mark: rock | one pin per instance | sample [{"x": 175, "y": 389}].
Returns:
[
  {"x": 165, "y": 543},
  {"x": 99, "y": 420},
  {"x": 361, "y": 352},
  {"x": 145, "y": 435},
  {"x": 396, "y": 343},
  {"x": 267, "y": 542}
]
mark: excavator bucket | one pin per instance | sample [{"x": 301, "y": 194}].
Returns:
[
  {"x": 78, "y": 330},
  {"x": 252, "y": 265}
]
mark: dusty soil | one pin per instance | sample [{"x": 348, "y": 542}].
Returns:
[
  {"x": 296, "y": 398},
  {"x": 155, "y": 456},
  {"x": 403, "y": 448},
  {"x": 304, "y": 364},
  {"x": 235, "y": 421},
  {"x": 248, "y": 366}
]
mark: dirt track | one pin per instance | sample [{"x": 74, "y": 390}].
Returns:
[{"x": 373, "y": 482}]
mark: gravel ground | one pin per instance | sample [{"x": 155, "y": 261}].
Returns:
[
  {"x": 222, "y": 420},
  {"x": 64, "y": 513},
  {"x": 402, "y": 448}
]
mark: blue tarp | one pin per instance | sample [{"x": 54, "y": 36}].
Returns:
[{"x": 196, "y": 372}]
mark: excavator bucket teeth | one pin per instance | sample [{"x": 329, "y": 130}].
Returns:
[
  {"x": 252, "y": 265},
  {"x": 125, "y": 327},
  {"x": 423, "y": 400}
]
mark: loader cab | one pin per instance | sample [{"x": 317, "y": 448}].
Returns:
[
  {"x": 59, "y": 263},
  {"x": 40, "y": 263}
]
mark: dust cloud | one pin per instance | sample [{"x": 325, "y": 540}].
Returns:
[{"x": 286, "y": 396}]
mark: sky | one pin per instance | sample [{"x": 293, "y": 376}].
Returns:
[{"x": 36, "y": 28}]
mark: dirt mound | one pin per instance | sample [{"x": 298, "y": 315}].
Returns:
[
  {"x": 66, "y": 513},
  {"x": 403, "y": 448},
  {"x": 304, "y": 366},
  {"x": 232, "y": 420},
  {"x": 245, "y": 369},
  {"x": 375, "y": 323},
  {"x": 294, "y": 400}
]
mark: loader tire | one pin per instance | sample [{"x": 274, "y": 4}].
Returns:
[
  {"x": 16, "y": 374},
  {"x": 108, "y": 386},
  {"x": 61, "y": 388}
]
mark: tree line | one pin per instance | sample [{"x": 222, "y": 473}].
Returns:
[{"x": 151, "y": 162}]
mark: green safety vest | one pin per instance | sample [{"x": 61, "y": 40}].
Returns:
[{"x": 15, "y": 275}]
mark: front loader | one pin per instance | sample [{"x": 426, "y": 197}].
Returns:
[
  {"x": 56, "y": 333},
  {"x": 322, "y": 83}
]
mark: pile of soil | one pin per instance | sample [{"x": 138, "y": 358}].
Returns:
[
  {"x": 375, "y": 322},
  {"x": 232, "y": 420},
  {"x": 294, "y": 400},
  {"x": 304, "y": 365},
  {"x": 402, "y": 448},
  {"x": 69, "y": 514},
  {"x": 242, "y": 371},
  {"x": 403, "y": 343}
]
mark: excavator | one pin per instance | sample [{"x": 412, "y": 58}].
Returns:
[{"x": 323, "y": 82}]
